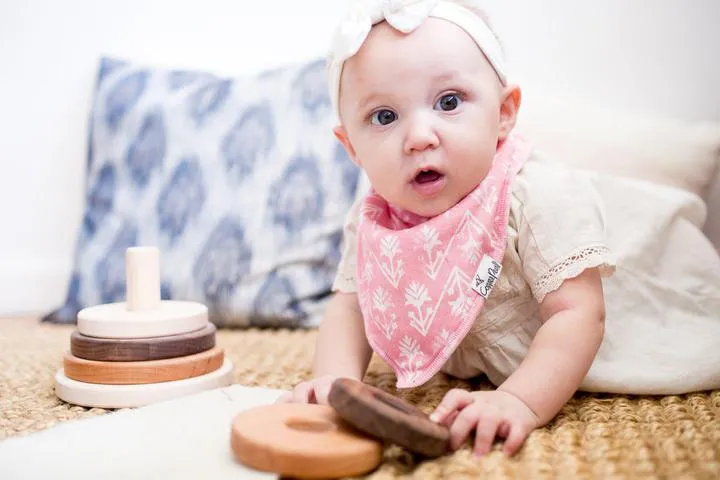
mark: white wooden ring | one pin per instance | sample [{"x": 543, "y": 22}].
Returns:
[
  {"x": 129, "y": 396},
  {"x": 116, "y": 320}
]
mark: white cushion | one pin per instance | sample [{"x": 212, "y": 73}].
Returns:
[
  {"x": 664, "y": 150},
  {"x": 637, "y": 145}
]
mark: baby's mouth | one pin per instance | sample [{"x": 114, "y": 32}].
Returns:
[
  {"x": 427, "y": 176},
  {"x": 428, "y": 183}
]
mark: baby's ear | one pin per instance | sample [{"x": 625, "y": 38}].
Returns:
[
  {"x": 341, "y": 134},
  {"x": 509, "y": 107}
]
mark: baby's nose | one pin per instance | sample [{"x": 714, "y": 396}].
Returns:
[{"x": 420, "y": 135}]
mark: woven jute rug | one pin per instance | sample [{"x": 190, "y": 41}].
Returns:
[{"x": 595, "y": 436}]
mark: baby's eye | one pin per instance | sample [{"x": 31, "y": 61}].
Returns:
[
  {"x": 448, "y": 102},
  {"x": 383, "y": 117}
]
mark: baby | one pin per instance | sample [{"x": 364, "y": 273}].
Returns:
[{"x": 472, "y": 255}]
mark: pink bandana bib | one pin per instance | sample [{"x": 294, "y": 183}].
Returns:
[{"x": 422, "y": 282}]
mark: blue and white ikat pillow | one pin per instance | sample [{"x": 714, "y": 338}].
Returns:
[{"x": 238, "y": 181}]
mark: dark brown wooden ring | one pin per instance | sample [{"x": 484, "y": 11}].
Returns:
[
  {"x": 388, "y": 418},
  {"x": 142, "y": 349}
]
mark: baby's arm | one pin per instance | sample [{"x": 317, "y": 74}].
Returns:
[
  {"x": 558, "y": 360},
  {"x": 564, "y": 347},
  {"x": 341, "y": 350}
]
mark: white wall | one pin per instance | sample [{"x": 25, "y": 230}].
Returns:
[
  {"x": 652, "y": 55},
  {"x": 48, "y": 54}
]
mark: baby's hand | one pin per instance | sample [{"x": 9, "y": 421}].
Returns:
[
  {"x": 310, "y": 391},
  {"x": 491, "y": 414}
]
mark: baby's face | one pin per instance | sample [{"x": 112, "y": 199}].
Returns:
[{"x": 422, "y": 114}]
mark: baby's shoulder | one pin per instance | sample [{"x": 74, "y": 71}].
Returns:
[
  {"x": 551, "y": 199},
  {"x": 544, "y": 173},
  {"x": 547, "y": 184},
  {"x": 557, "y": 224}
]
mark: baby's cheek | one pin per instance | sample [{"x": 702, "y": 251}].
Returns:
[{"x": 384, "y": 181}]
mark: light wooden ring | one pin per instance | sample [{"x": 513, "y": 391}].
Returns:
[
  {"x": 142, "y": 349},
  {"x": 117, "y": 320},
  {"x": 130, "y": 396},
  {"x": 302, "y": 441},
  {"x": 135, "y": 373}
]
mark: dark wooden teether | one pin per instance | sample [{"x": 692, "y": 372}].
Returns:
[
  {"x": 142, "y": 349},
  {"x": 388, "y": 418}
]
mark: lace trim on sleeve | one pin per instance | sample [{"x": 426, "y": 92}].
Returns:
[{"x": 572, "y": 266}]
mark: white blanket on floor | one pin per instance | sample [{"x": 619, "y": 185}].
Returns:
[{"x": 185, "y": 438}]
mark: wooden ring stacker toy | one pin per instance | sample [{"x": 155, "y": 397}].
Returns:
[
  {"x": 142, "y": 349},
  {"x": 389, "y": 418},
  {"x": 302, "y": 441},
  {"x": 143, "y": 314},
  {"x": 138, "y": 373}
]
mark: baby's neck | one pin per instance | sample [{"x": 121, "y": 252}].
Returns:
[{"x": 406, "y": 217}]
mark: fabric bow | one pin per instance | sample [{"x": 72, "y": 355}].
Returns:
[{"x": 403, "y": 15}]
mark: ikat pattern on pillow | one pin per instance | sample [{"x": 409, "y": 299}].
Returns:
[{"x": 238, "y": 181}]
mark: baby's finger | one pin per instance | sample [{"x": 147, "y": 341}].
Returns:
[
  {"x": 450, "y": 418},
  {"x": 503, "y": 429},
  {"x": 463, "y": 424},
  {"x": 515, "y": 439},
  {"x": 454, "y": 400},
  {"x": 302, "y": 393},
  {"x": 322, "y": 391},
  {"x": 486, "y": 430}
]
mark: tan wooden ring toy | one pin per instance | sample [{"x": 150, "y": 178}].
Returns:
[
  {"x": 142, "y": 349},
  {"x": 302, "y": 441},
  {"x": 388, "y": 418},
  {"x": 136, "y": 373}
]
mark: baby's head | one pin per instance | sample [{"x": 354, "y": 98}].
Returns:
[{"x": 421, "y": 112}]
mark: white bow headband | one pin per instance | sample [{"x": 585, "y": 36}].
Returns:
[{"x": 405, "y": 16}]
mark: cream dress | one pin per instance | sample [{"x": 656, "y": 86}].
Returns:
[{"x": 661, "y": 280}]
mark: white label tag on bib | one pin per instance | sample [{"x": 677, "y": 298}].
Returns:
[{"x": 487, "y": 273}]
